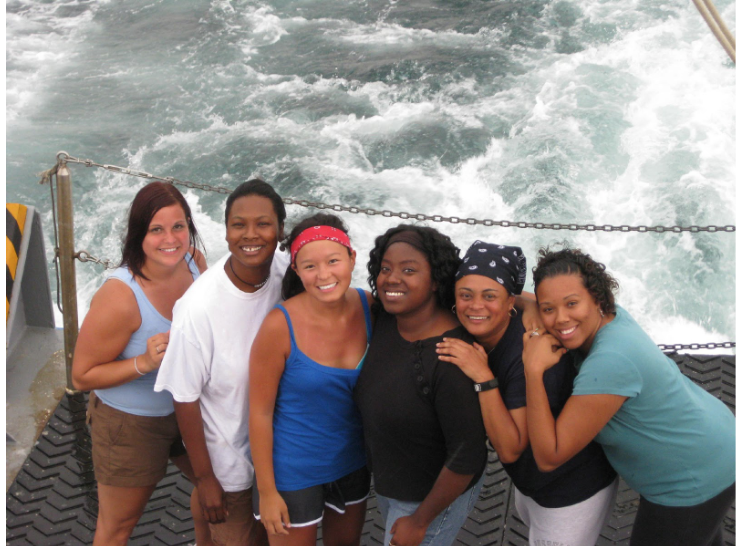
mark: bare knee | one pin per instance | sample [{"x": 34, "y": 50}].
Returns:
[
  {"x": 119, "y": 510},
  {"x": 113, "y": 532}
]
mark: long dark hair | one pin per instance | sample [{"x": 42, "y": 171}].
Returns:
[
  {"x": 442, "y": 254},
  {"x": 600, "y": 284},
  {"x": 292, "y": 284},
  {"x": 148, "y": 201}
]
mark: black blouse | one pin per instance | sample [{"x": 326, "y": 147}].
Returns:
[{"x": 419, "y": 414}]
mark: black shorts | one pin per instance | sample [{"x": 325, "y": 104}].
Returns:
[{"x": 306, "y": 506}]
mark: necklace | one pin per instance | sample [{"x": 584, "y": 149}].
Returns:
[{"x": 255, "y": 286}]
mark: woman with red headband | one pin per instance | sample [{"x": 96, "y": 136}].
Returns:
[{"x": 305, "y": 430}]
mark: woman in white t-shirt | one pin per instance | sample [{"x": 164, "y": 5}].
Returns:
[{"x": 206, "y": 366}]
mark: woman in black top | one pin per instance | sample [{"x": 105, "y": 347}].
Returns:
[
  {"x": 423, "y": 430},
  {"x": 567, "y": 506}
]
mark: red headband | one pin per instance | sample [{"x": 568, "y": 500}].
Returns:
[{"x": 316, "y": 233}]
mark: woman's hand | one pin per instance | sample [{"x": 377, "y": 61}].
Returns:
[
  {"x": 527, "y": 303},
  {"x": 212, "y": 499},
  {"x": 274, "y": 514},
  {"x": 471, "y": 359},
  {"x": 531, "y": 319},
  {"x": 155, "y": 349},
  {"x": 407, "y": 531},
  {"x": 541, "y": 352}
]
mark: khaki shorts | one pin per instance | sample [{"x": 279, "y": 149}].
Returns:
[
  {"x": 240, "y": 528},
  {"x": 130, "y": 450}
]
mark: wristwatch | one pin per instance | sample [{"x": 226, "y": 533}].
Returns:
[{"x": 486, "y": 385}]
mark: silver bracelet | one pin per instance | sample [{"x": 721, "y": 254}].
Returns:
[{"x": 136, "y": 367}]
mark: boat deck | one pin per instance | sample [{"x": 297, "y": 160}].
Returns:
[{"x": 53, "y": 500}]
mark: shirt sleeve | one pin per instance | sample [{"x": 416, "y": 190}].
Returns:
[
  {"x": 513, "y": 387},
  {"x": 609, "y": 373},
  {"x": 185, "y": 367},
  {"x": 458, "y": 410}
]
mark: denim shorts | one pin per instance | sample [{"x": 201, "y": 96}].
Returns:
[
  {"x": 444, "y": 528},
  {"x": 306, "y": 506}
]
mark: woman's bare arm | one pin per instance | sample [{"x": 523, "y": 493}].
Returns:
[
  {"x": 554, "y": 442},
  {"x": 270, "y": 350},
  {"x": 506, "y": 429},
  {"x": 112, "y": 319}
]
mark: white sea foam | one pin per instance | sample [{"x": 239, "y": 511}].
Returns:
[
  {"x": 623, "y": 114},
  {"x": 37, "y": 44}
]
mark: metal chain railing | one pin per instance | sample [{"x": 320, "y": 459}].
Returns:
[
  {"x": 414, "y": 216},
  {"x": 695, "y": 346},
  {"x": 86, "y": 257}
]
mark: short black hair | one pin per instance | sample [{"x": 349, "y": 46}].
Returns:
[
  {"x": 442, "y": 254},
  {"x": 600, "y": 284},
  {"x": 259, "y": 188}
]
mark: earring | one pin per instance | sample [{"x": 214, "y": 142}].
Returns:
[
  {"x": 601, "y": 312},
  {"x": 515, "y": 312},
  {"x": 454, "y": 309}
]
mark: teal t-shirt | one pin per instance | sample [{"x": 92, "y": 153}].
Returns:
[{"x": 671, "y": 441}]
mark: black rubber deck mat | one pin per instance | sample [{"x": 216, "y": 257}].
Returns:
[{"x": 53, "y": 500}]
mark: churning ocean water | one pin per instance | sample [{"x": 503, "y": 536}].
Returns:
[{"x": 573, "y": 111}]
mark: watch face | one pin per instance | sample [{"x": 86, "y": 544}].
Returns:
[{"x": 477, "y": 387}]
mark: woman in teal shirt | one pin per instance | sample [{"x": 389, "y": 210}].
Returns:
[{"x": 670, "y": 440}]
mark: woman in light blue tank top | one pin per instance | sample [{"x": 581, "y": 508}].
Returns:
[
  {"x": 120, "y": 346},
  {"x": 304, "y": 427}
]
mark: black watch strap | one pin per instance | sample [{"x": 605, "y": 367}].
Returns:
[{"x": 486, "y": 385}]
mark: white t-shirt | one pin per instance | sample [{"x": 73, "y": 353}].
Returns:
[{"x": 213, "y": 327}]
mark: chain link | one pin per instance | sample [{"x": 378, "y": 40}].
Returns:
[
  {"x": 85, "y": 257},
  {"x": 63, "y": 156},
  {"x": 695, "y": 346}
]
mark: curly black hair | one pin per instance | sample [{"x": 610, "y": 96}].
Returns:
[
  {"x": 442, "y": 254},
  {"x": 292, "y": 284},
  {"x": 599, "y": 283}
]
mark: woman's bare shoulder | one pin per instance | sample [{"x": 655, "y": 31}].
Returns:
[{"x": 116, "y": 302}]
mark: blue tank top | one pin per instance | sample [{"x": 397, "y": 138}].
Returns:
[
  {"x": 317, "y": 431},
  {"x": 138, "y": 396}
]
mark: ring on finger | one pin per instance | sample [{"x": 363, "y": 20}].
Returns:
[
  {"x": 534, "y": 332},
  {"x": 157, "y": 347}
]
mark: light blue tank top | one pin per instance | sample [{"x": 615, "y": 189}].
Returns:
[
  {"x": 317, "y": 431},
  {"x": 138, "y": 396}
]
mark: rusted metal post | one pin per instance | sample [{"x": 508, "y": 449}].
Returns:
[{"x": 67, "y": 266}]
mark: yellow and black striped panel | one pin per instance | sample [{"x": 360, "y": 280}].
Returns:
[{"x": 15, "y": 222}]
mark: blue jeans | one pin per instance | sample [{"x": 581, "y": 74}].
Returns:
[{"x": 444, "y": 528}]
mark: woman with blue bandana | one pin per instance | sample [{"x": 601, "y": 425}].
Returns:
[{"x": 569, "y": 505}]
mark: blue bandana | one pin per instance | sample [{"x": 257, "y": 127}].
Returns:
[{"x": 504, "y": 264}]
